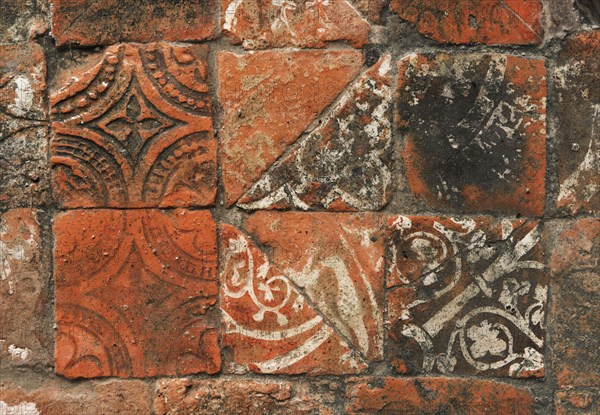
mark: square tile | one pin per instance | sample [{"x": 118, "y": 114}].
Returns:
[
  {"x": 466, "y": 296},
  {"x": 135, "y": 130},
  {"x": 136, "y": 293},
  {"x": 303, "y": 293}
]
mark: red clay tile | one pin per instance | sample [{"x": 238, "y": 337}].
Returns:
[
  {"x": 54, "y": 397},
  {"x": 25, "y": 323},
  {"x": 466, "y": 296},
  {"x": 310, "y": 299},
  {"x": 135, "y": 293},
  {"x": 264, "y": 23},
  {"x": 243, "y": 396},
  {"x": 135, "y": 130},
  {"x": 475, "y": 131},
  {"x": 23, "y": 130},
  {"x": 574, "y": 313},
  {"x": 105, "y": 22},
  {"x": 494, "y": 22},
  {"x": 578, "y": 92},
  {"x": 343, "y": 164},
  {"x": 577, "y": 401},
  {"x": 269, "y": 99},
  {"x": 438, "y": 396}
]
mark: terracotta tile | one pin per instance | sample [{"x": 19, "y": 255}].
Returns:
[
  {"x": 23, "y": 127},
  {"x": 578, "y": 117},
  {"x": 311, "y": 299},
  {"x": 438, "y": 396},
  {"x": 466, "y": 296},
  {"x": 110, "y": 21},
  {"x": 343, "y": 164},
  {"x": 269, "y": 99},
  {"x": 22, "y": 20},
  {"x": 574, "y": 313},
  {"x": 135, "y": 293},
  {"x": 577, "y": 402},
  {"x": 371, "y": 9},
  {"x": 135, "y": 130},
  {"x": 25, "y": 323},
  {"x": 53, "y": 397},
  {"x": 495, "y": 22},
  {"x": 247, "y": 396},
  {"x": 263, "y": 23},
  {"x": 475, "y": 132}
]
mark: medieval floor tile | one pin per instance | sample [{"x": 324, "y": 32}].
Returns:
[
  {"x": 86, "y": 23},
  {"x": 577, "y": 401},
  {"x": 475, "y": 131},
  {"x": 496, "y": 22},
  {"x": 264, "y": 23},
  {"x": 135, "y": 292},
  {"x": 575, "y": 283},
  {"x": 135, "y": 130},
  {"x": 343, "y": 164},
  {"x": 269, "y": 99},
  {"x": 466, "y": 296},
  {"x": 438, "y": 396},
  {"x": 243, "y": 396},
  {"x": 23, "y": 129},
  {"x": 55, "y": 397},
  {"x": 25, "y": 332},
  {"x": 22, "y": 20},
  {"x": 578, "y": 89},
  {"x": 311, "y": 299}
]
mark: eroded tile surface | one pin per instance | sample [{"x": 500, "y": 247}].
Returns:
[
  {"x": 103, "y": 22},
  {"x": 135, "y": 292},
  {"x": 311, "y": 301},
  {"x": 23, "y": 130},
  {"x": 574, "y": 314},
  {"x": 25, "y": 332},
  {"x": 22, "y": 20},
  {"x": 496, "y": 22},
  {"x": 266, "y": 23},
  {"x": 343, "y": 164},
  {"x": 577, "y": 401},
  {"x": 475, "y": 132},
  {"x": 135, "y": 130},
  {"x": 466, "y": 296},
  {"x": 269, "y": 99},
  {"x": 578, "y": 87},
  {"x": 235, "y": 395},
  {"x": 370, "y": 8},
  {"x": 52, "y": 397},
  {"x": 438, "y": 396}
]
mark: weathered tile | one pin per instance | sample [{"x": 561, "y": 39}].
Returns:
[
  {"x": 25, "y": 324},
  {"x": 247, "y": 396},
  {"x": 264, "y": 23},
  {"x": 475, "y": 132},
  {"x": 589, "y": 10},
  {"x": 135, "y": 130},
  {"x": 105, "y": 22},
  {"x": 23, "y": 128},
  {"x": 343, "y": 164},
  {"x": 370, "y": 8},
  {"x": 22, "y": 20},
  {"x": 577, "y": 401},
  {"x": 269, "y": 99},
  {"x": 578, "y": 118},
  {"x": 574, "y": 313},
  {"x": 438, "y": 396},
  {"x": 495, "y": 22},
  {"x": 135, "y": 293},
  {"x": 466, "y": 296},
  {"x": 54, "y": 397},
  {"x": 311, "y": 300}
]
